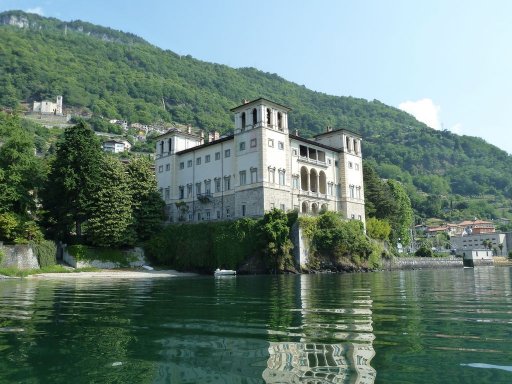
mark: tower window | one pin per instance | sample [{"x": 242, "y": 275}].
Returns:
[
  {"x": 254, "y": 116},
  {"x": 280, "y": 121},
  {"x": 243, "y": 120},
  {"x": 268, "y": 116}
]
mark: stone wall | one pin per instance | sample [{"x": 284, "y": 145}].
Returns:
[
  {"x": 135, "y": 254},
  {"x": 421, "y": 262},
  {"x": 18, "y": 256}
]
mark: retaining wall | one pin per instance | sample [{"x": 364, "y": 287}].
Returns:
[
  {"x": 135, "y": 254},
  {"x": 19, "y": 256},
  {"x": 421, "y": 262}
]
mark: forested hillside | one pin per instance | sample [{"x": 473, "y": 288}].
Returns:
[{"x": 117, "y": 75}]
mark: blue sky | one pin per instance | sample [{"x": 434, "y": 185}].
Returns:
[{"x": 447, "y": 62}]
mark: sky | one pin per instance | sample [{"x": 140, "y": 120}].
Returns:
[{"x": 447, "y": 62}]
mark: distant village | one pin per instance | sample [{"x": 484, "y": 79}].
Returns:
[{"x": 52, "y": 114}]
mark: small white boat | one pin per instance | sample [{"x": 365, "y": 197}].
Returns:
[{"x": 224, "y": 272}]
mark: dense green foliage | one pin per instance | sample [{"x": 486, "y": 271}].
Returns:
[
  {"x": 117, "y": 205},
  {"x": 205, "y": 246},
  {"x": 338, "y": 244},
  {"x": 74, "y": 175},
  {"x": 138, "y": 82},
  {"x": 109, "y": 214},
  {"x": 46, "y": 252}
]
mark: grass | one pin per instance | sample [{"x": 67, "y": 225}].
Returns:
[{"x": 15, "y": 272}]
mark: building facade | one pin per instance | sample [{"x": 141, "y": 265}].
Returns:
[
  {"x": 259, "y": 167},
  {"x": 46, "y": 107}
]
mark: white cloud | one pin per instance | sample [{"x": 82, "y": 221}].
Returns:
[
  {"x": 36, "y": 10},
  {"x": 456, "y": 128},
  {"x": 423, "y": 110}
]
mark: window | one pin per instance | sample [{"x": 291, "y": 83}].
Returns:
[
  {"x": 280, "y": 145},
  {"x": 282, "y": 207},
  {"x": 280, "y": 121},
  {"x": 227, "y": 183},
  {"x": 271, "y": 175},
  {"x": 227, "y": 212},
  {"x": 243, "y": 178},
  {"x": 243, "y": 120},
  {"x": 198, "y": 189},
  {"x": 359, "y": 217},
  {"x": 295, "y": 182},
  {"x": 329, "y": 161},
  {"x": 167, "y": 193},
  {"x": 207, "y": 187},
  {"x": 253, "y": 143},
  {"x": 271, "y": 143},
  {"x": 269, "y": 114},
  {"x": 227, "y": 153},
  {"x": 167, "y": 167},
  {"x": 356, "y": 165},
  {"x": 161, "y": 191},
  {"x": 254, "y": 116},
  {"x": 272, "y": 206},
  {"x": 198, "y": 161},
  {"x": 161, "y": 147},
  {"x": 160, "y": 168},
  {"x": 218, "y": 214},
  {"x": 182, "y": 192},
  {"x": 242, "y": 146},
  {"x": 243, "y": 209},
  {"x": 207, "y": 158},
  {"x": 281, "y": 176},
  {"x": 182, "y": 165},
  {"x": 189, "y": 163},
  {"x": 208, "y": 215},
  {"x": 217, "y": 185},
  {"x": 351, "y": 191},
  {"x": 189, "y": 190},
  {"x": 350, "y": 164},
  {"x": 352, "y": 216},
  {"x": 329, "y": 189},
  {"x": 358, "y": 192},
  {"x": 254, "y": 175},
  {"x": 198, "y": 216},
  {"x": 170, "y": 144},
  {"x": 217, "y": 155},
  {"x": 294, "y": 152}
]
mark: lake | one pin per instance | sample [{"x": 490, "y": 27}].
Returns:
[{"x": 426, "y": 326}]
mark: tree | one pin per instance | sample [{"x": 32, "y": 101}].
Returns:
[
  {"x": 146, "y": 203},
  {"x": 72, "y": 179},
  {"x": 378, "y": 229},
  {"x": 276, "y": 236},
  {"x": 21, "y": 173},
  {"x": 109, "y": 210},
  {"x": 402, "y": 216}
]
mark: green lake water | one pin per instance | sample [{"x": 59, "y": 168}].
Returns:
[{"x": 428, "y": 326}]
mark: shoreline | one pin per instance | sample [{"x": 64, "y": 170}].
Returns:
[{"x": 115, "y": 274}]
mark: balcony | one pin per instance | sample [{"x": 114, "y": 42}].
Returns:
[{"x": 205, "y": 197}]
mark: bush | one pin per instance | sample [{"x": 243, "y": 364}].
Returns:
[
  {"x": 424, "y": 252},
  {"x": 46, "y": 253},
  {"x": 87, "y": 253}
]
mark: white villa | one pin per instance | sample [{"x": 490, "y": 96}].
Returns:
[{"x": 259, "y": 167}]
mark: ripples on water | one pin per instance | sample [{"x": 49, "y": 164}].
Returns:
[{"x": 434, "y": 326}]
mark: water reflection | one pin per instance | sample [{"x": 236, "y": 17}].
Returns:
[{"x": 313, "y": 361}]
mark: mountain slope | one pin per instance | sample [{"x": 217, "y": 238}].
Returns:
[{"x": 119, "y": 75}]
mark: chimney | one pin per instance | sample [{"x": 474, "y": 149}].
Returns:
[
  {"x": 296, "y": 132},
  {"x": 189, "y": 129},
  {"x": 210, "y": 136},
  {"x": 329, "y": 128},
  {"x": 216, "y": 135},
  {"x": 245, "y": 101}
]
